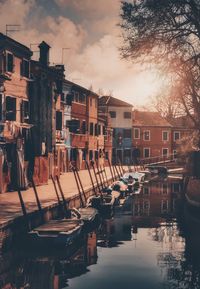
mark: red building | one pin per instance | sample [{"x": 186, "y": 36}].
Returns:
[{"x": 152, "y": 135}]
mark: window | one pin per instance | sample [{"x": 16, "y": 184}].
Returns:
[
  {"x": 96, "y": 155},
  {"x": 91, "y": 128},
  {"x": 58, "y": 120},
  {"x": 146, "y": 152},
  {"x": 176, "y": 187},
  {"x": 76, "y": 99},
  {"x": 174, "y": 154},
  {"x": 74, "y": 125},
  {"x": 146, "y": 191},
  {"x": 96, "y": 129},
  {"x": 164, "y": 152},
  {"x": 104, "y": 130},
  {"x": 24, "y": 111},
  {"x": 69, "y": 98},
  {"x": 9, "y": 62},
  {"x": 164, "y": 206},
  {"x": 127, "y": 133},
  {"x": 127, "y": 114},
  {"x": 127, "y": 153},
  {"x": 164, "y": 189},
  {"x": 99, "y": 130},
  {"x": 90, "y": 155},
  {"x": 84, "y": 154},
  {"x": 10, "y": 108},
  {"x": 112, "y": 114},
  {"x": 106, "y": 155},
  {"x": 147, "y": 135},
  {"x": 25, "y": 68},
  {"x": 177, "y": 135},
  {"x": 84, "y": 127},
  {"x": 165, "y": 135},
  {"x": 1, "y": 112},
  {"x": 114, "y": 132},
  {"x": 136, "y": 133}
]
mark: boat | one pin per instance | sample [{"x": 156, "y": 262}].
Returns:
[
  {"x": 89, "y": 216},
  {"x": 103, "y": 203},
  {"x": 56, "y": 232}
]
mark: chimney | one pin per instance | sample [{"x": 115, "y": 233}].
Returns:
[{"x": 44, "y": 53}]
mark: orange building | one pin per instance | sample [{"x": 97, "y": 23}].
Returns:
[{"x": 14, "y": 114}]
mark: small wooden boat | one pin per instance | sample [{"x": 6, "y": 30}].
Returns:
[
  {"x": 104, "y": 204},
  {"x": 88, "y": 215},
  {"x": 57, "y": 232}
]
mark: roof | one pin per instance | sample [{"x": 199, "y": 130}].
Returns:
[
  {"x": 6, "y": 41},
  {"x": 149, "y": 118},
  {"x": 112, "y": 101},
  {"x": 74, "y": 85},
  {"x": 182, "y": 122}
]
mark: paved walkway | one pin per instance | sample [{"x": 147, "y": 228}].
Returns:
[{"x": 9, "y": 202}]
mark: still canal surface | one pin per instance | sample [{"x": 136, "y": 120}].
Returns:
[{"x": 152, "y": 242}]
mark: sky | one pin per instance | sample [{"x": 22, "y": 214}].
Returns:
[{"x": 91, "y": 36}]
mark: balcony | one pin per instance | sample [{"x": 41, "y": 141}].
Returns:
[{"x": 79, "y": 140}]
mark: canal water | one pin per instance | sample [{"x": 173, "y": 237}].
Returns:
[{"x": 152, "y": 242}]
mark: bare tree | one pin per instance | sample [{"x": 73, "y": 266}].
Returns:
[{"x": 167, "y": 33}]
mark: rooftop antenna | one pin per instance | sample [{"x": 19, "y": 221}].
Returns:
[
  {"x": 12, "y": 28},
  {"x": 63, "y": 50}
]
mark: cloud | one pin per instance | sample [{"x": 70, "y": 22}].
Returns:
[{"x": 91, "y": 8}]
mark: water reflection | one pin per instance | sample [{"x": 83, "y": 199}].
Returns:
[{"x": 152, "y": 242}]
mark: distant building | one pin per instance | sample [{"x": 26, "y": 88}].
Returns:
[
  {"x": 121, "y": 123},
  {"x": 15, "y": 134},
  {"x": 152, "y": 135}
]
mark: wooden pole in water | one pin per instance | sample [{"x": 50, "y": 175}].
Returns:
[
  {"x": 118, "y": 174},
  {"x": 78, "y": 187},
  {"x": 23, "y": 209},
  {"x": 111, "y": 170},
  {"x": 37, "y": 200},
  {"x": 58, "y": 198},
  {"x": 98, "y": 171},
  {"x": 93, "y": 186},
  {"x": 81, "y": 185},
  {"x": 62, "y": 195},
  {"x": 98, "y": 186},
  {"x": 106, "y": 179}
]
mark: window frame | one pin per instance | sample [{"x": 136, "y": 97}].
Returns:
[
  {"x": 165, "y": 131},
  {"x": 136, "y": 129},
  {"x": 127, "y": 113},
  {"x": 146, "y": 148},
  {"x": 113, "y": 114},
  {"x": 165, "y": 155},
  {"x": 175, "y": 132},
  {"x": 149, "y": 135}
]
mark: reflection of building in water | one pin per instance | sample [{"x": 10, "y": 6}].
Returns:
[
  {"x": 157, "y": 199},
  {"x": 116, "y": 230}
]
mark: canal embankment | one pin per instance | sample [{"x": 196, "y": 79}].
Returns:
[{"x": 12, "y": 221}]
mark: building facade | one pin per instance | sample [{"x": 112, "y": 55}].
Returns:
[
  {"x": 46, "y": 114},
  {"x": 15, "y": 128},
  {"x": 152, "y": 136},
  {"x": 121, "y": 122}
]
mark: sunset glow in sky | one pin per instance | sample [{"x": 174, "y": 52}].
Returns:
[{"x": 89, "y": 31}]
